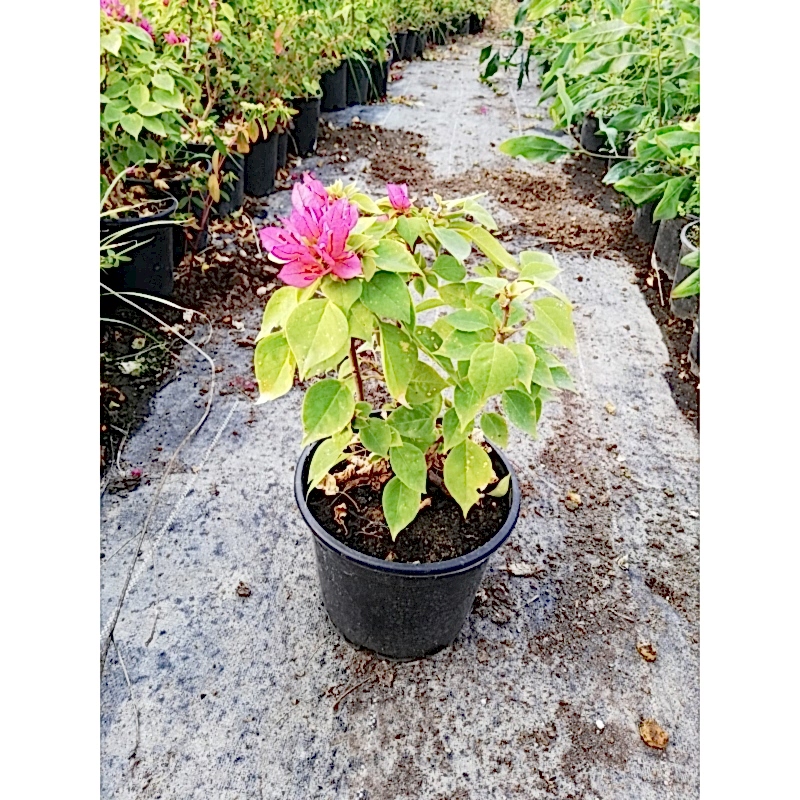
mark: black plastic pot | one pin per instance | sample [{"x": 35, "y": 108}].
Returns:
[
  {"x": 303, "y": 140},
  {"x": 419, "y": 45},
  {"x": 400, "y": 611},
  {"x": 464, "y": 27},
  {"x": 685, "y": 307},
  {"x": 398, "y": 46},
  {"x": 283, "y": 147},
  {"x": 261, "y": 164},
  {"x": 667, "y": 247},
  {"x": 232, "y": 193},
  {"x": 643, "y": 225},
  {"x": 357, "y": 82},
  {"x": 476, "y": 23},
  {"x": 694, "y": 348},
  {"x": 379, "y": 80},
  {"x": 334, "y": 88},
  {"x": 410, "y": 47},
  {"x": 589, "y": 139},
  {"x": 150, "y": 267}
]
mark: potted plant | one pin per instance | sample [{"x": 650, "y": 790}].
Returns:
[
  {"x": 685, "y": 294},
  {"x": 402, "y": 481}
]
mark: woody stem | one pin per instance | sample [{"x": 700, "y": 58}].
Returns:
[{"x": 356, "y": 371}]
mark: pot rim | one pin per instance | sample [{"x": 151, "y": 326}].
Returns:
[
  {"x": 130, "y": 222},
  {"x": 448, "y": 567},
  {"x": 684, "y": 238}
]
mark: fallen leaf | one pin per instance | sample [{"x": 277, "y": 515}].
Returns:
[
  {"x": 339, "y": 513},
  {"x": 138, "y": 343},
  {"x": 653, "y": 735},
  {"x": 572, "y": 501},
  {"x": 521, "y": 570},
  {"x": 611, "y": 408},
  {"x": 329, "y": 485},
  {"x": 243, "y": 590},
  {"x": 646, "y": 651}
]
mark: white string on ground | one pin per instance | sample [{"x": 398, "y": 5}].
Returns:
[{"x": 171, "y": 518}]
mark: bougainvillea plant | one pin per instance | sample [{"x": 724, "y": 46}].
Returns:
[{"x": 378, "y": 292}]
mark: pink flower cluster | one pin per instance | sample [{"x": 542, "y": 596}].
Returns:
[
  {"x": 313, "y": 239},
  {"x": 398, "y": 196},
  {"x": 115, "y": 9},
  {"x": 173, "y": 38}
]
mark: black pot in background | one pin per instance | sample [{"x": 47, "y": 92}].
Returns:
[
  {"x": 589, "y": 139},
  {"x": 283, "y": 145},
  {"x": 303, "y": 140},
  {"x": 694, "y": 348},
  {"x": 150, "y": 267},
  {"x": 437, "y": 34},
  {"x": 464, "y": 27},
  {"x": 667, "y": 247},
  {"x": 419, "y": 45},
  {"x": 334, "y": 89},
  {"x": 685, "y": 307},
  {"x": 410, "y": 47},
  {"x": 476, "y": 24},
  {"x": 398, "y": 46},
  {"x": 260, "y": 167},
  {"x": 357, "y": 82},
  {"x": 234, "y": 162},
  {"x": 379, "y": 80},
  {"x": 643, "y": 225},
  {"x": 400, "y": 611}
]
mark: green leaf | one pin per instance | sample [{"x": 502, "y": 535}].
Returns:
[
  {"x": 501, "y": 490},
  {"x": 467, "y": 403},
  {"x": 414, "y": 423},
  {"x": 452, "y": 241},
  {"x": 521, "y": 410},
  {"x": 467, "y": 469},
  {"x": 112, "y": 41},
  {"x": 274, "y": 367},
  {"x": 610, "y": 31},
  {"x": 393, "y": 256},
  {"x": 474, "y": 319},
  {"x": 138, "y": 94},
  {"x": 114, "y": 110},
  {"x": 492, "y": 249},
  {"x": 451, "y": 430},
  {"x": 538, "y": 266},
  {"x": 387, "y": 296},
  {"x": 449, "y": 269},
  {"x": 361, "y": 322},
  {"x": 460, "y": 345},
  {"x": 492, "y": 369},
  {"x": 425, "y": 384},
  {"x": 365, "y": 203},
  {"x": 376, "y": 435},
  {"x": 431, "y": 302},
  {"x": 363, "y": 409},
  {"x": 343, "y": 293},
  {"x": 411, "y": 229},
  {"x": 408, "y": 464},
  {"x": 667, "y": 207},
  {"x": 641, "y": 188},
  {"x": 553, "y": 322},
  {"x": 428, "y": 338},
  {"x": 688, "y": 287},
  {"x": 327, "y": 456},
  {"x": 494, "y": 428},
  {"x": 316, "y": 330},
  {"x": 164, "y": 81},
  {"x": 399, "y": 356},
  {"x": 279, "y": 306},
  {"x": 535, "y": 148},
  {"x": 132, "y": 124},
  {"x": 154, "y": 125},
  {"x": 526, "y": 362},
  {"x": 327, "y": 407},
  {"x": 151, "y": 109},
  {"x": 562, "y": 379},
  {"x": 691, "y": 260},
  {"x": 629, "y": 119},
  {"x": 637, "y": 12},
  {"x": 168, "y": 99},
  {"x": 400, "y": 506},
  {"x": 541, "y": 8}
]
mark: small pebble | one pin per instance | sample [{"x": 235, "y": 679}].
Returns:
[{"x": 600, "y": 724}]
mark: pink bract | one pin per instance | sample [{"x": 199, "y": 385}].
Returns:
[
  {"x": 313, "y": 239},
  {"x": 171, "y": 38},
  {"x": 398, "y": 196}
]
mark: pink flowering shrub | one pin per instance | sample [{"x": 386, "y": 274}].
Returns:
[
  {"x": 114, "y": 9},
  {"x": 361, "y": 276}
]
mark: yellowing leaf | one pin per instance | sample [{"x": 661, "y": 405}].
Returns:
[{"x": 467, "y": 469}]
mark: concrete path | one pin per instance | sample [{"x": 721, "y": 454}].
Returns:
[{"x": 258, "y": 696}]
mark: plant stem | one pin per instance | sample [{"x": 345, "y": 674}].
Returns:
[
  {"x": 356, "y": 371},
  {"x": 658, "y": 61}
]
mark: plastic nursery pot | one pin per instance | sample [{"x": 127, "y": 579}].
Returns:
[
  {"x": 357, "y": 82},
  {"x": 303, "y": 140},
  {"x": 334, "y": 88},
  {"x": 685, "y": 307},
  {"x": 694, "y": 348},
  {"x": 234, "y": 162},
  {"x": 476, "y": 23},
  {"x": 379, "y": 80},
  {"x": 398, "y": 610},
  {"x": 419, "y": 45},
  {"x": 150, "y": 267},
  {"x": 398, "y": 46},
  {"x": 261, "y": 163},
  {"x": 589, "y": 139},
  {"x": 667, "y": 247},
  {"x": 410, "y": 48},
  {"x": 464, "y": 27},
  {"x": 283, "y": 147},
  {"x": 643, "y": 226}
]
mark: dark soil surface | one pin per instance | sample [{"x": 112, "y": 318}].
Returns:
[
  {"x": 439, "y": 531},
  {"x": 566, "y": 206}
]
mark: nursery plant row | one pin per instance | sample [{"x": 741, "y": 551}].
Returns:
[
  {"x": 202, "y": 102},
  {"x": 623, "y": 77}
]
